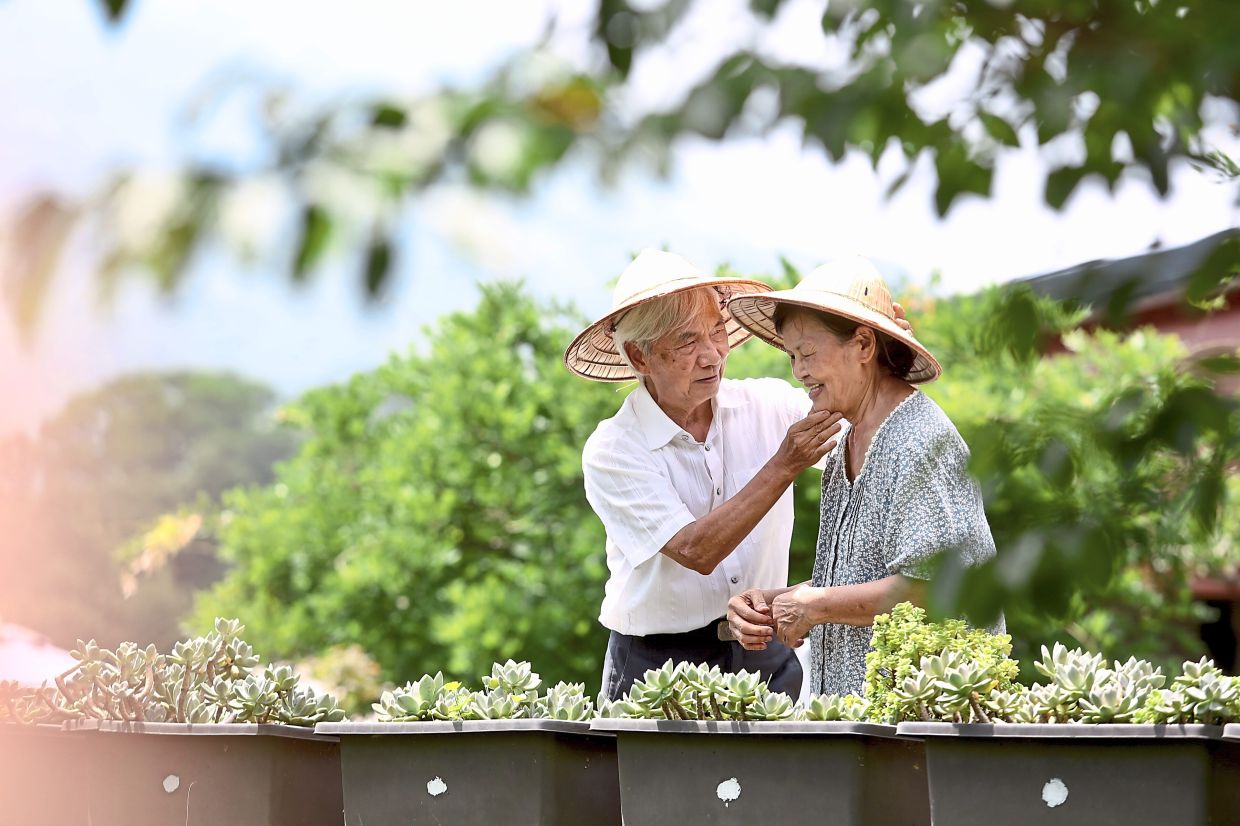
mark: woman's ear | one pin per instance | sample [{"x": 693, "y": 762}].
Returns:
[{"x": 867, "y": 344}]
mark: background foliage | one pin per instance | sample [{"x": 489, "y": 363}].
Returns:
[{"x": 435, "y": 514}]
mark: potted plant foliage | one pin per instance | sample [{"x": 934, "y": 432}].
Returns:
[
  {"x": 1097, "y": 742},
  {"x": 441, "y": 753},
  {"x": 200, "y": 733},
  {"x": 696, "y": 745}
]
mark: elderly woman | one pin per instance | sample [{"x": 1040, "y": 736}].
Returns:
[{"x": 895, "y": 491}]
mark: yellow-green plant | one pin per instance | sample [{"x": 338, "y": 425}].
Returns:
[{"x": 903, "y": 638}]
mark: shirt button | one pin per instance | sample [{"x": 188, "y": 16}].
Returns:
[
  {"x": 735, "y": 580},
  {"x": 708, "y": 447},
  {"x": 719, "y": 491}
]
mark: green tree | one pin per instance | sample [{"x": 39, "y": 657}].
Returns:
[
  {"x": 435, "y": 514},
  {"x": 97, "y": 474}
]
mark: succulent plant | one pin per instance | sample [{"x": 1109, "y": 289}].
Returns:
[
  {"x": 513, "y": 678},
  {"x": 741, "y": 690},
  {"x": 915, "y": 697},
  {"x": 510, "y": 692},
  {"x": 1010, "y": 705},
  {"x": 496, "y": 704},
  {"x": 415, "y": 701},
  {"x": 771, "y": 706},
  {"x": 705, "y": 686},
  {"x": 831, "y": 707},
  {"x": 1201, "y": 694},
  {"x": 209, "y": 679},
  {"x": 565, "y": 701},
  {"x": 686, "y": 691}
]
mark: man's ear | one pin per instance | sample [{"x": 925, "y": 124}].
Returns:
[{"x": 637, "y": 358}]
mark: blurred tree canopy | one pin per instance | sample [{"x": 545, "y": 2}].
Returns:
[
  {"x": 1100, "y": 87},
  {"x": 435, "y": 513},
  {"x": 73, "y": 498}
]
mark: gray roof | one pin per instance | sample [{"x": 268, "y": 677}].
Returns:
[{"x": 1141, "y": 279}]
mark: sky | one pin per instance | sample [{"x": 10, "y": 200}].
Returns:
[{"x": 81, "y": 100}]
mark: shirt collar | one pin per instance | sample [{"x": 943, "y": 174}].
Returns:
[{"x": 658, "y": 429}]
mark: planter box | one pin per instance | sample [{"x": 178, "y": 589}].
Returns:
[
  {"x": 476, "y": 772},
  {"x": 1077, "y": 773},
  {"x": 43, "y": 775},
  {"x": 696, "y": 772},
  {"x": 238, "y": 774}
]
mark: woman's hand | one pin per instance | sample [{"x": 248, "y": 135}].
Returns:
[
  {"x": 791, "y": 612},
  {"x": 749, "y": 618}
]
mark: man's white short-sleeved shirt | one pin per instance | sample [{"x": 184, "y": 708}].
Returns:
[{"x": 647, "y": 478}]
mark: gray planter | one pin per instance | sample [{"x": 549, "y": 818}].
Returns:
[
  {"x": 238, "y": 774},
  {"x": 1078, "y": 773},
  {"x": 845, "y": 774},
  {"x": 43, "y": 775},
  {"x": 477, "y": 772}
]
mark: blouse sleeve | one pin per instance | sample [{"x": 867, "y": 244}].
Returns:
[{"x": 936, "y": 506}]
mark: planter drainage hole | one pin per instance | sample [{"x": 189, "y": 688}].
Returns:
[
  {"x": 728, "y": 791},
  {"x": 1054, "y": 793},
  {"x": 172, "y": 783},
  {"x": 436, "y": 787}
]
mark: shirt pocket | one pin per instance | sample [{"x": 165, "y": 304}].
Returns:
[{"x": 737, "y": 481}]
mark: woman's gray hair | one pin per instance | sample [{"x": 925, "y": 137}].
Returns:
[{"x": 647, "y": 323}]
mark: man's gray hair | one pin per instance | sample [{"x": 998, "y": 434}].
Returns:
[{"x": 647, "y": 323}]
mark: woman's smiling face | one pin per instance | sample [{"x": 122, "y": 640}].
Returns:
[{"x": 829, "y": 368}]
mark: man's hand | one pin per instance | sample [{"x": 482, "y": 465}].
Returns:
[
  {"x": 749, "y": 617},
  {"x": 790, "y": 612},
  {"x": 808, "y": 440}
]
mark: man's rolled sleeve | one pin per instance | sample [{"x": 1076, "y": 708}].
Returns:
[{"x": 636, "y": 503}]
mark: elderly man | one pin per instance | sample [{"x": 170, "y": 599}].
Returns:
[{"x": 692, "y": 477}]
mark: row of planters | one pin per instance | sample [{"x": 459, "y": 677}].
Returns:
[
  {"x": 204, "y": 734},
  {"x": 945, "y": 734}
]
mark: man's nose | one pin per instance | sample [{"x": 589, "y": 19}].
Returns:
[{"x": 711, "y": 356}]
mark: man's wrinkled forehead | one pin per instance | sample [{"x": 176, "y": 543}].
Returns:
[{"x": 704, "y": 319}]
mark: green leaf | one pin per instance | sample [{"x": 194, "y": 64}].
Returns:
[
  {"x": 316, "y": 227},
  {"x": 1061, "y": 183},
  {"x": 999, "y": 129},
  {"x": 114, "y": 9},
  {"x": 1223, "y": 364},
  {"x": 765, "y": 8},
  {"x": 958, "y": 174},
  {"x": 389, "y": 116},
  {"x": 378, "y": 263}
]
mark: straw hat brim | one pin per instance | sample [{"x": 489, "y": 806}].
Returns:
[
  {"x": 593, "y": 354},
  {"x": 757, "y": 315}
]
